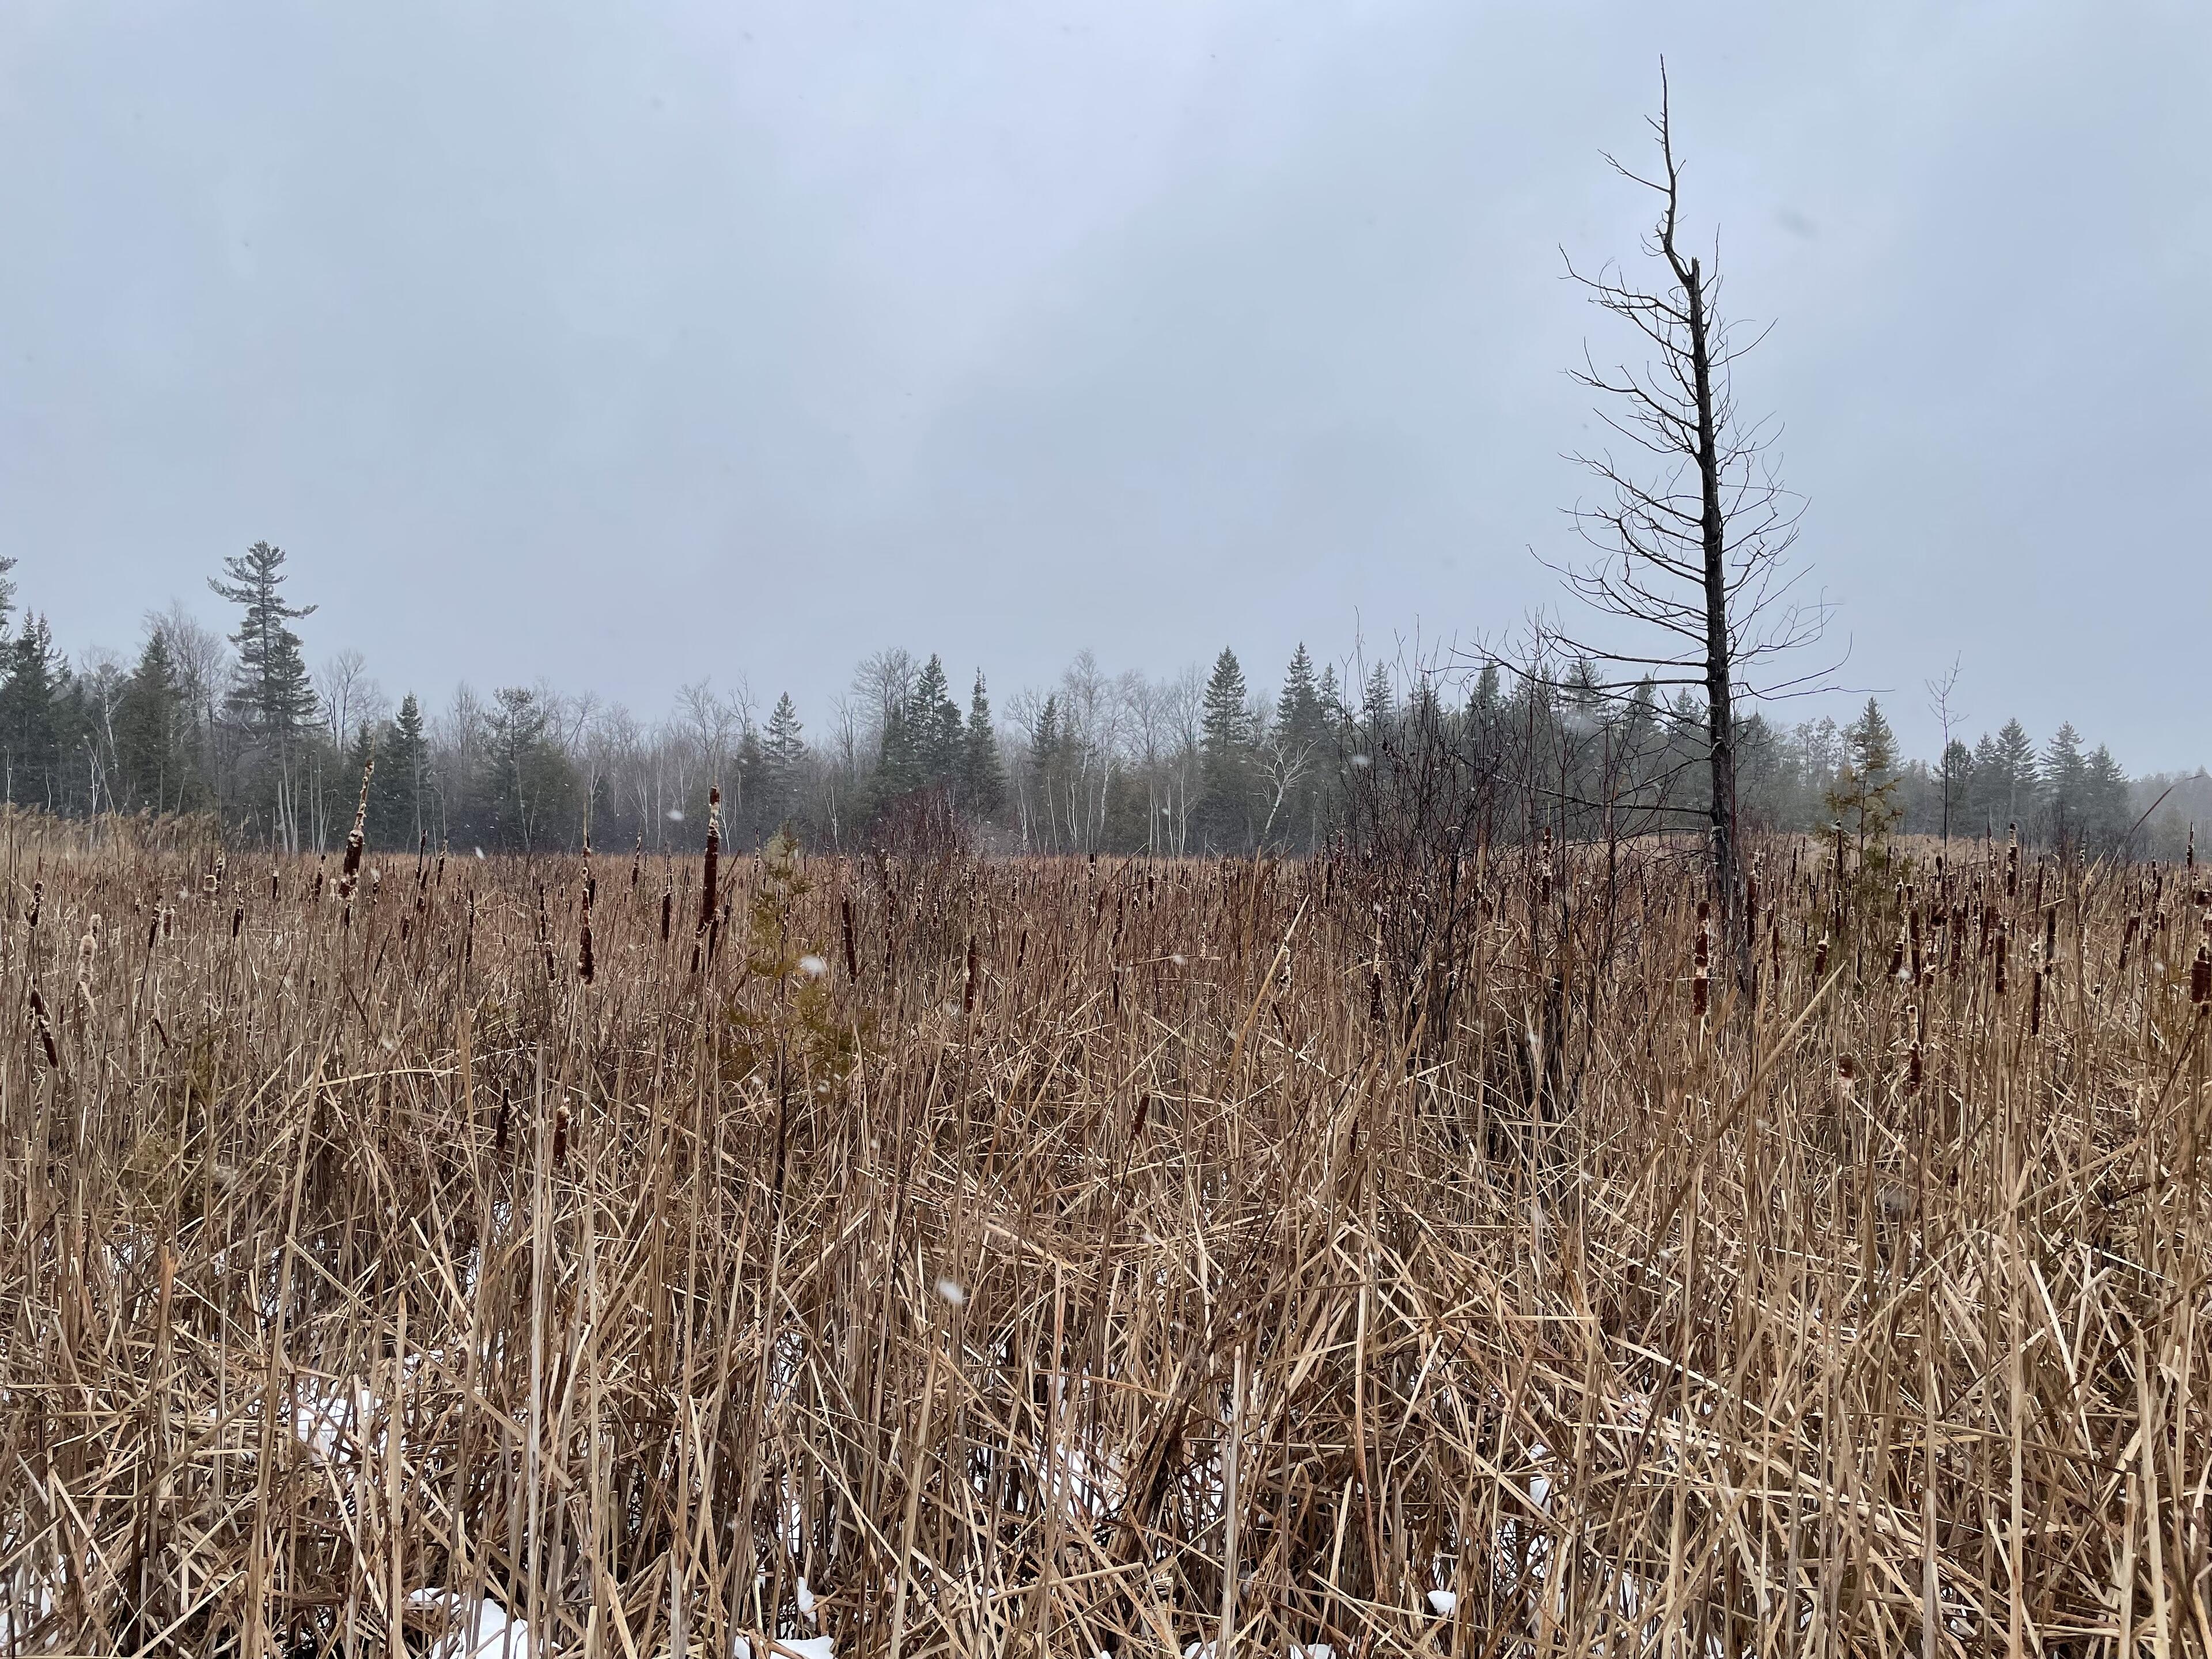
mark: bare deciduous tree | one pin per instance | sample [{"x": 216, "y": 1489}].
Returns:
[{"x": 1695, "y": 536}]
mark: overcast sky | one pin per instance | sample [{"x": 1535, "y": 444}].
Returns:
[{"x": 624, "y": 344}]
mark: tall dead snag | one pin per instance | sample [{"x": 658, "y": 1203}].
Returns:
[{"x": 1695, "y": 539}]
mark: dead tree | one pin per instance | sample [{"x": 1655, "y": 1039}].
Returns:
[{"x": 1694, "y": 538}]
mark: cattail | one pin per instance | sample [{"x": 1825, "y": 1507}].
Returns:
[
  {"x": 2002, "y": 942},
  {"x": 86, "y": 949},
  {"x": 2200, "y": 977},
  {"x": 237, "y": 917},
  {"x": 1820, "y": 959},
  {"x": 37, "y": 900},
  {"x": 584, "y": 942},
  {"x": 2035, "y": 1006},
  {"x": 708, "y": 882},
  {"x": 852, "y": 957},
  {"x": 46, "y": 1028},
  {"x": 968, "y": 996},
  {"x": 561, "y": 1132},
  {"x": 546, "y": 936},
  {"x": 1912, "y": 1069},
  {"x": 667, "y": 911},
  {"x": 2012, "y": 860},
  {"x": 349, "y": 873}
]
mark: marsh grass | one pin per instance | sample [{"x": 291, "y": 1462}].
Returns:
[{"x": 1059, "y": 1256}]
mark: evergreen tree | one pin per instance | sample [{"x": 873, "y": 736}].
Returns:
[
  {"x": 1225, "y": 750},
  {"x": 528, "y": 782},
  {"x": 30, "y": 716},
  {"x": 932, "y": 722},
  {"x": 2001, "y": 786},
  {"x": 782, "y": 754},
  {"x": 898, "y": 767},
  {"x": 1299, "y": 713},
  {"x": 1376, "y": 701},
  {"x": 2064, "y": 776},
  {"x": 1046, "y": 763},
  {"x": 272, "y": 693},
  {"x": 1863, "y": 798},
  {"x": 396, "y": 815},
  {"x": 149, "y": 733},
  {"x": 982, "y": 776},
  {"x": 1956, "y": 783},
  {"x": 2106, "y": 820}
]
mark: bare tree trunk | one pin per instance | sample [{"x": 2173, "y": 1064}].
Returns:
[{"x": 1720, "y": 703}]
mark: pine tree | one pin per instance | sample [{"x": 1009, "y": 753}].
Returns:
[
  {"x": 982, "y": 775},
  {"x": 272, "y": 693},
  {"x": 30, "y": 725}
]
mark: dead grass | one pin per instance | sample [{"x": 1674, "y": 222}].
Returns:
[{"x": 1002, "y": 1247}]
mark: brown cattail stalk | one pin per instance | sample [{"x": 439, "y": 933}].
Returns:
[{"x": 349, "y": 873}]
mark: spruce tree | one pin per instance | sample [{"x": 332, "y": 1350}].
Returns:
[
  {"x": 149, "y": 732},
  {"x": 402, "y": 779},
  {"x": 933, "y": 723},
  {"x": 782, "y": 754},
  {"x": 1376, "y": 701},
  {"x": 30, "y": 725},
  {"x": 1863, "y": 798},
  {"x": 2065, "y": 774},
  {"x": 1298, "y": 711},
  {"x": 982, "y": 775},
  {"x": 2016, "y": 769},
  {"x": 1045, "y": 745},
  {"x": 1224, "y": 749}
]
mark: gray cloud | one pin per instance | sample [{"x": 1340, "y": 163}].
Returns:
[{"x": 626, "y": 344}]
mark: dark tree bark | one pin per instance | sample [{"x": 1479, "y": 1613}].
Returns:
[{"x": 1694, "y": 542}]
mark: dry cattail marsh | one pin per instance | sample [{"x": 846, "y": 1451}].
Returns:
[{"x": 945, "y": 1256}]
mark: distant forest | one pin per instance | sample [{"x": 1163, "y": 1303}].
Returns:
[{"x": 237, "y": 726}]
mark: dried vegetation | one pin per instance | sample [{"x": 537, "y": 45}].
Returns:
[{"x": 946, "y": 1256}]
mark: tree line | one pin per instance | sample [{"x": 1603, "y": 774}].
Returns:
[{"x": 236, "y": 725}]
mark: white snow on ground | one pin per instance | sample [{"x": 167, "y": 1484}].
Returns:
[{"x": 481, "y": 1630}]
